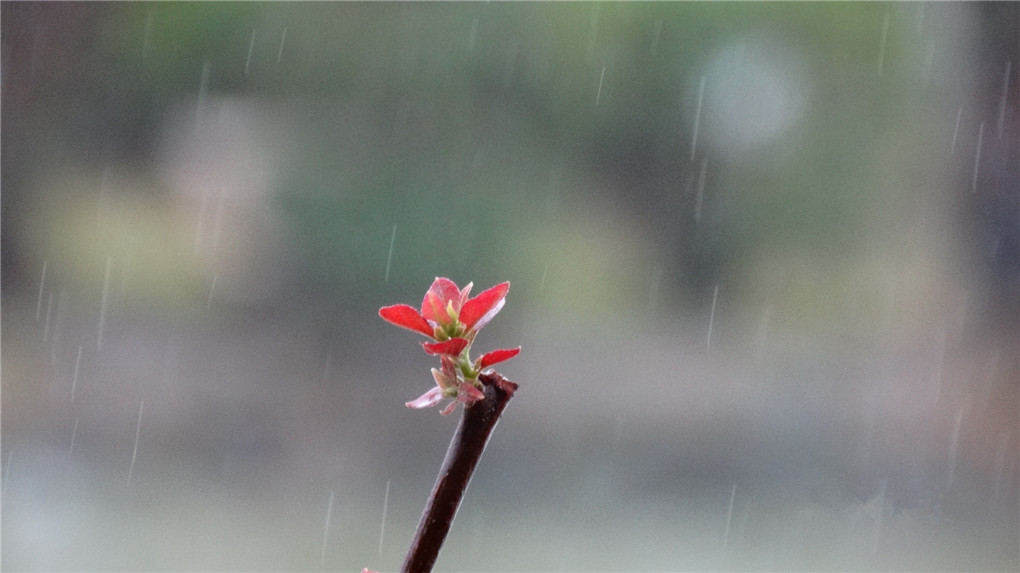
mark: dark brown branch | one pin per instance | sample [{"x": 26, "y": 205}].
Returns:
[{"x": 465, "y": 449}]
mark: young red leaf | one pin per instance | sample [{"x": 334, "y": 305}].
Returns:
[
  {"x": 497, "y": 356},
  {"x": 480, "y": 309},
  {"x": 405, "y": 316},
  {"x": 433, "y": 306},
  {"x": 454, "y": 346}
]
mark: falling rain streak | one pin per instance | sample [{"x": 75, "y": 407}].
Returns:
[
  {"x": 977, "y": 158},
  {"x": 7, "y": 472},
  {"x": 74, "y": 379},
  {"x": 325, "y": 532},
  {"x": 279, "y": 53},
  {"x": 74, "y": 436},
  {"x": 954, "y": 443},
  {"x": 656, "y": 34},
  {"x": 251, "y": 46},
  {"x": 881, "y": 43},
  {"x": 42, "y": 284},
  {"x": 598, "y": 94},
  {"x": 328, "y": 368},
  {"x": 104, "y": 303},
  {"x": 956, "y": 131},
  {"x": 711, "y": 317},
  {"x": 49, "y": 311},
  {"x": 876, "y": 534},
  {"x": 147, "y": 36},
  {"x": 382, "y": 528},
  {"x": 389, "y": 257},
  {"x": 1002, "y": 98},
  {"x": 212, "y": 290},
  {"x": 654, "y": 286},
  {"x": 203, "y": 91},
  {"x": 593, "y": 27},
  {"x": 701, "y": 190},
  {"x": 138, "y": 433},
  {"x": 472, "y": 35},
  {"x": 729, "y": 516},
  {"x": 697, "y": 117}
]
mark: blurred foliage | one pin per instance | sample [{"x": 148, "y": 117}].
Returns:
[{"x": 487, "y": 135}]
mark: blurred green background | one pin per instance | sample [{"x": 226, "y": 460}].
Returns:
[{"x": 759, "y": 270}]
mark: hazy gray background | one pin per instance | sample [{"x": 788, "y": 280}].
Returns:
[{"x": 764, "y": 265}]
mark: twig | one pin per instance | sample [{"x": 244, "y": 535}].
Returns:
[{"x": 462, "y": 456}]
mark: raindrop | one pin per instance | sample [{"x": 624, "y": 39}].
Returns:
[
  {"x": 251, "y": 45},
  {"x": 74, "y": 379},
  {"x": 598, "y": 94},
  {"x": 325, "y": 532},
  {"x": 42, "y": 284},
  {"x": 711, "y": 317},
  {"x": 389, "y": 257},
  {"x": 977, "y": 158},
  {"x": 697, "y": 117},
  {"x": 729, "y": 516},
  {"x": 279, "y": 53},
  {"x": 541, "y": 284},
  {"x": 382, "y": 528},
  {"x": 1002, "y": 98},
  {"x": 105, "y": 302},
  {"x": 956, "y": 130},
  {"x": 881, "y": 43},
  {"x": 138, "y": 433}
]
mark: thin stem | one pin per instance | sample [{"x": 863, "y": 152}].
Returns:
[{"x": 462, "y": 456}]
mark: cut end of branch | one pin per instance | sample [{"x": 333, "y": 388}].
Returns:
[{"x": 497, "y": 381}]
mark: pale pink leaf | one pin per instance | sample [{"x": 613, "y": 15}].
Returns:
[{"x": 426, "y": 400}]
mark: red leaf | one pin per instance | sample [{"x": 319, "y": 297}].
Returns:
[
  {"x": 497, "y": 356},
  {"x": 453, "y": 347},
  {"x": 483, "y": 307},
  {"x": 405, "y": 316},
  {"x": 433, "y": 306}
]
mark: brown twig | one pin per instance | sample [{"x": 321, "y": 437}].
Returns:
[{"x": 462, "y": 456}]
